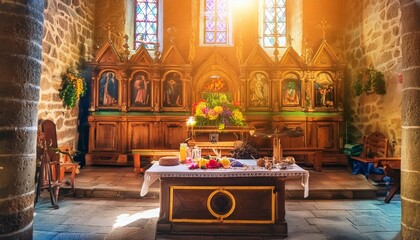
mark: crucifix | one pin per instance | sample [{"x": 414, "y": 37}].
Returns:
[
  {"x": 109, "y": 28},
  {"x": 323, "y": 26}
]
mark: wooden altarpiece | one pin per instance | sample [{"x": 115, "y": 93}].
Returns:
[{"x": 301, "y": 98}]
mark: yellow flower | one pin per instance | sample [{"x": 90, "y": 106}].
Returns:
[
  {"x": 199, "y": 109},
  {"x": 237, "y": 115},
  {"x": 212, "y": 115},
  {"x": 221, "y": 126},
  {"x": 202, "y": 163},
  {"x": 225, "y": 162},
  {"x": 218, "y": 109}
]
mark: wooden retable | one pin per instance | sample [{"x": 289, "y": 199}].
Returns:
[{"x": 247, "y": 201}]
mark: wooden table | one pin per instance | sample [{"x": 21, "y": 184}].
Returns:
[{"x": 247, "y": 201}]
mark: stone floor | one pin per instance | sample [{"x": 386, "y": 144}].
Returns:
[{"x": 108, "y": 206}]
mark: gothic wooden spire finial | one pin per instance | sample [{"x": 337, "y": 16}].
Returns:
[
  {"x": 323, "y": 26},
  {"x": 108, "y": 27},
  {"x": 289, "y": 40},
  {"x": 172, "y": 31}
]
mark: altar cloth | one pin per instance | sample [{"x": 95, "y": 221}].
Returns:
[{"x": 249, "y": 170}]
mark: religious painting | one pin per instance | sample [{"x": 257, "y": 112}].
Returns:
[
  {"x": 172, "y": 90},
  {"x": 324, "y": 90},
  {"x": 140, "y": 90},
  {"x": 108, "y": 90},
  {"x": 259, "y": 91},
  {"x": 215, "y": 84},
  {"x": 291, "y": 92}
]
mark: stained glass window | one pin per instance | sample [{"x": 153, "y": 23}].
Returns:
[
  {"x": 146, "y": 23},
  {"x": 274, "y": 23},
  {"x": 216, "y": 22}
]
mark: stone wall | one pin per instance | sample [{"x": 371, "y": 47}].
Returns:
[
  {"x": 112, "y": 18},
  {"x": 68, "y": 38},
  {"x": 373, "y": 39}
]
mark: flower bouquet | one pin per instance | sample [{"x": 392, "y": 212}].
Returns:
[
  {"x": 215, "y": 163},
  {"x": 217, "y": 110}
]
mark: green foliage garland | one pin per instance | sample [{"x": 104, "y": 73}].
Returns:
[
  {"x": 73, "y": 87},
  {"x": 368, "y": 80}
]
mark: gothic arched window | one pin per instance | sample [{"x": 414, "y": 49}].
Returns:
[
  {"x": 215, "y": 23},
  {"x": 146, "y": 27},
  {"x": 274, "y": 23}
]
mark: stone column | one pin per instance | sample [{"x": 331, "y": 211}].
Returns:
[
  {"x": 21, "y": 27},
  {"x": 410, "y": 148}
]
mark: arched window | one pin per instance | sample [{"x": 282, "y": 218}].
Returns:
[
  {"x": 215, "y": 23},
  {"x": 146, "y": 23},
  {"x": 274, "y": 23}
]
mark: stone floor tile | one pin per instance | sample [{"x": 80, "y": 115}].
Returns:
[
  {"x": 341, "y": 231},
  {"x": 101, "y": 221},
  {"x": 330, "y": 213},
  {"x": 297, "y": 221},
  {"x": 368, "y": 212},
  {"x": 391, "y": 227},
  {"x": 299, "y": 214},
  {"x": 81, "y": 228},
  {"x": 49, "y": 219},
  {"x": 44, "y": 235},
  {"x": 299, "y": 207},
  {"x": 328, "y": 220},
  {"x": 127, "y": 233},
  {"x": 370, "y": 228},
  {"x": 306, "y": 236},
  {"x": 365, "y": 221},
  {"x": 345, "y": 205},
  {"x": 384, "y": 235},
  {"x": 301, "y": 229},
  {"x": 393, "y": 219},
  {"x": 82, "y": 210},
  {"x": 79, "y": 236}
]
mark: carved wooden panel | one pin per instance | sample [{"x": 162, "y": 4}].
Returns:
[
  {"x": 215, "y": 204},
  {"x": 174, "y": 134},
  {"x": 325, "y": 135},
  {"x": 140, "y": 135},
  {"x": 106, "y": 136},
  {"x": 294, "y": 134}
]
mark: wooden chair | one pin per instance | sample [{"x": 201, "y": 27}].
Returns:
[
  {"x": 51, "y": 175},
  {"x": 392, "y": 169},
  {"x": 374, "y": 145},
  {"x": 66, "y": 164}
]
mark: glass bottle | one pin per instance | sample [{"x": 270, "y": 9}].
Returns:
[
  {"x": 196, "y": 153},
  {"x": 182, "y": 152}
]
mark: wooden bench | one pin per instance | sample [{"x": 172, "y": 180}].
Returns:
[
  {"x": 374, "y": 145},
  {"x": 208, "y": 148},
  {"x": 314, "y": 154},
  {"x": 154, "y": 154}
]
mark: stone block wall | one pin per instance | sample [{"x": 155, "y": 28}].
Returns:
[
  {"x": 67, "y": 38},
  {"x": 373, "y": 38},
  {"x": 113, "y": 21}
]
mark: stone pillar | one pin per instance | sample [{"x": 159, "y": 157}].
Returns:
[
  {"x": 410, "y": 149},
  {"x": 21, "y": 27}
]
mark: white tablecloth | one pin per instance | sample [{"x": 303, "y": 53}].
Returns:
[{"x": 249, "y": 170}]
